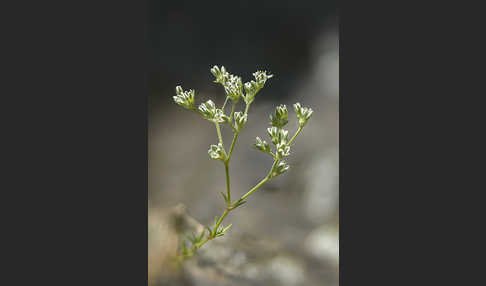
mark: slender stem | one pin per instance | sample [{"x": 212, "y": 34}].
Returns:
[
  {"x": 226, "y": 211},
  {"x": 255, "y": 188},
  {"x": 230, "y": 207},
  {"x": 228, "y": 192},
  {"x": 232, "y": 145},
  {"x": 232, "y": 110},
  {"x": 219, "y": 133},
  {"x": 295, "y": 135},
  {"x": 224, "y": 104},
  {"x": 198, "y": 245},
  {"x": 247, "y": 107},
  {"x": 266, "y": 179}
]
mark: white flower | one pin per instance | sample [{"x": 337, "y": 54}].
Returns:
[
  {"x": 184, "y": 98},
  {"x": 240, "y": 120},
  {"x": 303, "y": 113},
  {"x": 216, "y": 152}
]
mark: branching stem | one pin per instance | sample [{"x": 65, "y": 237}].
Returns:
[
  {"x": 266, "y": 179},
  {"x": 233, "y": 143},
  {"x": 209, "y": 111}
]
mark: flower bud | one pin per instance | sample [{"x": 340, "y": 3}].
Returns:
[
  {"x": 273, "y": 134},
  {"x": 208, "y": 110},
  {"x": 303, "y": 114},
  {"x": 220, "y": 117},
  {"x": 282, "y": 150},
  {"x": 278, "y": 135},
  {"x": 253, "y": 87},
  {"x": 261, "y": 77},
  {"x": 281, "y": 168},
  {"x": 262, "y": 145},
  {"x": 216, "y": 71},
  {"x": 233, "y": 88},
  {"x": 219, "y": 74},
  {"x": 184, "y": 98},
  {"x": 279, "y": 119},
  {"x": 216, "y": 152},
  {"x": 240, "y": 120}
]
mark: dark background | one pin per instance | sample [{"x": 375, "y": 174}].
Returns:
[
  {"x": 75, "y": 142},
  {"x": 186, "y": 38}
]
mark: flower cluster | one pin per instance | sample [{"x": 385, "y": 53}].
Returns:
[
  {"x": 184, "y": 98},
  {"x": 254, "y": 86},
  {"x": 217, "y": 152},
  {"x": 209, "y": 111},
  {"x": 262, "y": 145},
  {"x": 279, "y": 119},
  {"x": 240, "y": 120},
  {"x": 303, "y": 113},
  {"x": 232, "y": 84},
  {"x": 280, "y": 136},
  {"x": 220, "y": 74},
  {"x": 234, "y": 88},
  {"x": 281, "y": 168}
]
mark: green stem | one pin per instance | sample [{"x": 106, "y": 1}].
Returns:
[
  {"x": 232, "y": 145},
  {"x": 226, "y": 211},
  {"x": 219, "y": 133},
  {"x": 224, "y": 104},
  {"x": 232, "y": 111},
  {"x": 247, "y": 107},
  {"x": 255, "y": 188},
  {"x": 198, "y": 245},
  {"x": 228, "y": 192},
  {"x": 230, "y": 207},
  {"x": 295, "y": 135},
  {"x": 266, "y": 179}
]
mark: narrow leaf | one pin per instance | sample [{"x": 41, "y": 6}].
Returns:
[
  {"x": 225, "y": 197},
  {"x": 226, "y": 228},
  {"x": 239, "y": 203}
]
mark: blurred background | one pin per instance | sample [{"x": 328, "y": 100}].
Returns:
[{"x": 287, "y": 233}]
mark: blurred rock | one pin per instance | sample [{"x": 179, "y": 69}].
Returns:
[
  {"x": 165, "y": 230},
  {"x": 323, "y": 243},
  {"x": 321, "y": 199},
  {"x": 287, "y": 271}
]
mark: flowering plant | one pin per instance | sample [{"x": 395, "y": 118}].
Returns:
[{"x": 235, "y": 90}]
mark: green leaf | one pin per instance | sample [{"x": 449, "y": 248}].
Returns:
[
  {"x": 226, "y": 228},
  {"x": 225, "y": 197},
  {"x": 239, "y": 203}
]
